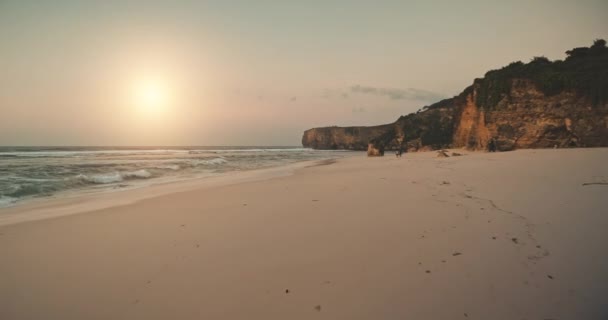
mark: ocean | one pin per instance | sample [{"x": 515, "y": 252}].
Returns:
[{"x": 34, "y": 172}]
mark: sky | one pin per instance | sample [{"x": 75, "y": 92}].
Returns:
[{"x": 126, "y": 73}]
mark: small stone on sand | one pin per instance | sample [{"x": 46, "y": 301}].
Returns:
[{"x": 318, "y": 308}]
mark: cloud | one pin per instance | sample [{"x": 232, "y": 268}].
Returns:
[
  {"x": 399, "y": 94},
  {"x": 334, "y": 93}
]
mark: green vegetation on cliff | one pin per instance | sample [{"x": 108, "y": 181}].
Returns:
[{"x": 585, "y": 70}]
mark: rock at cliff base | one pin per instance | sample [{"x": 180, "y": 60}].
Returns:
[
  {"x": 456, "y": 154},
  {"x": 442, "y": 154},
  {"x": 375, "y": 151}
]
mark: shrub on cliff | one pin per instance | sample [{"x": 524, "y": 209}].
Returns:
[{"x": 585, "y": 71}]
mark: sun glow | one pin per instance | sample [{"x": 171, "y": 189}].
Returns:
[{"x": 152, "y": 95}]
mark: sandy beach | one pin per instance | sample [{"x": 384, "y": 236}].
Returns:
[{"x": 514, "y": 235}]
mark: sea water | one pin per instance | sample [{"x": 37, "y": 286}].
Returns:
[{"x": 33, "y": 172}]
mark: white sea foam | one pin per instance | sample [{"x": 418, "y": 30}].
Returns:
[
  {"x": 101, "y": 178},
  {"x": 115, "y": 176},
  {"x": 214, "y": 161},
  {"x": 173, "y": 167},
  {"x": 141, "y": 174},
  {"x": 32, "y": 172},
  {"x": 7, "y": 201}
]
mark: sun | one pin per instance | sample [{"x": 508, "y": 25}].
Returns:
[{"x": 151, "y": 95}]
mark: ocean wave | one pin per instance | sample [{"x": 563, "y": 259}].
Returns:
[
  {"x": 80, "y": 153},
  {"x": 139, "y": 174},
  {"x": 101, "y": 178},
  {"x": 114, "y": 176},
  {"x": 260, "y": 150},
  {"x": 173, "y": 167},
  {"x": 7, "y": 201},
  {"x": 214, "y": 161}
]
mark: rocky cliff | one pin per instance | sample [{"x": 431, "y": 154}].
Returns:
[{"x": 540, "y": 104}]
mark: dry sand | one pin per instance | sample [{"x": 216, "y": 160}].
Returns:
[{"x": 512, "y": 235}]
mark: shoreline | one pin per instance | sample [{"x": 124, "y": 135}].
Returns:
[{"x": 77, "y": 202}]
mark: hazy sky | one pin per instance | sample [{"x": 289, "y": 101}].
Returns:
[{"x": 255, "y": 72}]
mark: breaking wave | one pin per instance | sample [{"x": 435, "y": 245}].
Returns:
[
  {"x": 7, "y": 201},
  {"x": 114, "y": 176},
  {"x": 173, "y": 167},
  {"x": 30, "y": 172},
  {"x": 214, "y": 161}
]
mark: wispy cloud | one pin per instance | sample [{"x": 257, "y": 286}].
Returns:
[{"x": 399, "y": 94}]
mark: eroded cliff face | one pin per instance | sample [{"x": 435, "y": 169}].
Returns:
[
  {"x": 525, "y": 118},
  {"x": 342, "y": 138}
]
